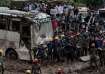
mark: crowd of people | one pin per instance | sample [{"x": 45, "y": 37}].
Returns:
[
  {"x": 75, "y": 35},
  {"x": 62, "y": 14}
]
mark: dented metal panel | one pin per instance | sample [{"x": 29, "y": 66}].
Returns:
[{"x": 9, "y": 39}]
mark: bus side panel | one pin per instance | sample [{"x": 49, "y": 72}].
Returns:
[
  {"x": 14, "y": 39},
  {"x": 3, "y": 40},
  {"x": 9, "y": 39}
]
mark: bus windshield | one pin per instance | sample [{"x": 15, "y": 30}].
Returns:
[{"x": 41, "y": 28}]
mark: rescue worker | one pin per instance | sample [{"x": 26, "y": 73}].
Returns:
[
  {"x": 93, "y": 56},
  {"x": 1, "y": 62},
  {"x": 36, "y": 67},
  {"x": 35, "y": 51},
  {"x": 69, "y": 50},
  {"x": 41, "y": 52},
  {"x": 100, "y": 51},
  {"x": 73, "y": 47},
  {"x": 62, "y": 44},
  {"x": 68, "y": 53},
  {"x": 84, "y": 45},
  {"x": 78, "y": 46},
  {"x": 56, "y": 48},
  {"x": 50, "y": 49}
]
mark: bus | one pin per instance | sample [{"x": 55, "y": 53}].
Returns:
[{"x": 21, "y": 31}]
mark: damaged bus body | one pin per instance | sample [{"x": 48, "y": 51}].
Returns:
[{"x": 20, "y": 32}]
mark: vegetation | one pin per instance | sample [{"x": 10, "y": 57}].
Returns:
[
  {"x": 90, "y": 3},
  {"x": 5, "y": 2}
]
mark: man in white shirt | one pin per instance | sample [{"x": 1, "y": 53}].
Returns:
[
  {"x": 60, "y": 9},
  {"x": 30, "y": 6},
  {"x": 53, "y": 11}
]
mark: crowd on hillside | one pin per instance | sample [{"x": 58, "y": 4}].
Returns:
[{"x": 75, "y": 35}]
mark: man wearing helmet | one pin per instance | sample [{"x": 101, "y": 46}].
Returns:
[
  {"x": 50, "y": 49},
  {"x": 93, "y": 56},
  {"x": 35, "y": 66},
  {"x": 56, "y": 45}
]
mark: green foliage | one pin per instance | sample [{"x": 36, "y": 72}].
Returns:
[
  {"x": 90, "y": 3},
  {"x": 5, "y": 2},
  {"x": 93, "y": 3}
]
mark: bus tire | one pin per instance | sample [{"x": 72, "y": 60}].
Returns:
[{"x": 11, "y": 54}]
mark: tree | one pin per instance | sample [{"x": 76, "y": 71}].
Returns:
[
  {"x": 5, "y": 2},
  {"x": 91, "y": 3}
]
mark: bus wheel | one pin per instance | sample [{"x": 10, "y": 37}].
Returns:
[{"x": 11, "y": 54}]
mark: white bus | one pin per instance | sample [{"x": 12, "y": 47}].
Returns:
[{"x": 21, "y": 31}]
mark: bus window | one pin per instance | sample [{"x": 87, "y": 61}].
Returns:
[
  {"x": 3, "y": 22},
  {"x": 26, "y": 30},
  {"x": 102, "y": 14},
  {"x": 16, "y": 26},
  {"x": 2, "y": 25}
]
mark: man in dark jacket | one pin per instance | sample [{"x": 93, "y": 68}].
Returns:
[
  {"x": 50, "y": 50},
  {"x": 41, "y": 52},
  {"x": 99, "y": 43},
  {"x": 93, "y": 56},
  {"x": 56, "y": 46},
  {"x": 76, "y": 11}
]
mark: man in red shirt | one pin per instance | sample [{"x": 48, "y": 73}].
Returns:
[{"x": 54, "y": 24}]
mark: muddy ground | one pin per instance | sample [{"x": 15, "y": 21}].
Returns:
[{"x": 19, "y": 67}]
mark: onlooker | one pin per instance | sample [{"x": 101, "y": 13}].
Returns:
[
  {"x": 53, "y": 11},
  {"x": 54, "y": 24},
  {"x": 60, "y": 9},
  {"x": 76, "y": 11}
]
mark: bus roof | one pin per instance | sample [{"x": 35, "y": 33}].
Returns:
[
  {"x": 12, "y": 12},
  {"x": 17, "y": 13}
]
